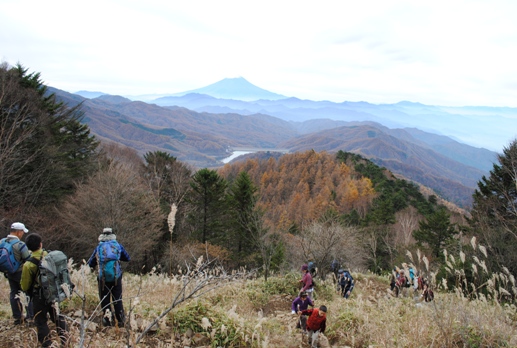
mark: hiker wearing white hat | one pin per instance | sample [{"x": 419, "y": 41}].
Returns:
[{"x": 13, "y": 253}]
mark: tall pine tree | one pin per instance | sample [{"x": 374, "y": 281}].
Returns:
[
  {"x": 242, "y": 200},
  {"x": 209, "y": 202},
  {"x": 494, "y": 212},
  {"x": 436, "y": 231},
  {"x": 44, "y": 148}
]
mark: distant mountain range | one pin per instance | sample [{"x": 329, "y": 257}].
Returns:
[{"x": 407, "y": 138}]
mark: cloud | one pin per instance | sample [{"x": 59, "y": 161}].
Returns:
[{"x": 451, "y": 53}]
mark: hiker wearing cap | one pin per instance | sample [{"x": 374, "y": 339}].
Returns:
[
  {"x": 316, "y": 323},
  {"x": 21, "y": 253},
  {"x": 107, "y": 255},
  {"x": 307, "y": 284},
  {"x": 31, "y": 284},
  {"x": 301, "y": 303}
]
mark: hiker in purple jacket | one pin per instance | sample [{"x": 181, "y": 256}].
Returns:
[{"x": 301, "y": 303}]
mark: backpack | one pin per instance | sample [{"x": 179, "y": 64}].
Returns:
[
  {"x": 347, "y": 279},
  {"x": 109, "y": 265},
  {"x": 420, "y": 283},
  {"x": 334, "y": 266},
  {"x": 8, "y": 263},
  {"x": 53, "y": 276},
  {"x": 428, "y": 295},
  {"x": 408, "y": 283}
]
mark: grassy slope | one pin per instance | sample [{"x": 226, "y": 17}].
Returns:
[{"x": 255, "y": 314}]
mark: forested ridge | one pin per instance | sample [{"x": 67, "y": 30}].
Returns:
[{"x": 301, "y": 187}]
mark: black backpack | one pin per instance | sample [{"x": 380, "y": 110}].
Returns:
[{"x": 408, "y": 283}]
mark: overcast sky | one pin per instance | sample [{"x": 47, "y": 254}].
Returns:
[{"x": 450, "y": 52}]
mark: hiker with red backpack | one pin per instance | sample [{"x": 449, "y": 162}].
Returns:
[
  {"x": 107, "y": 255},
  {"x": 13, "y": 253}
]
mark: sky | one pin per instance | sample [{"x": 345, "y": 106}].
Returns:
[{"x": 451, "y": 53}]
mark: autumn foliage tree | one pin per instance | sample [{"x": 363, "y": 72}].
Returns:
[{"x": 300, "y": 187}]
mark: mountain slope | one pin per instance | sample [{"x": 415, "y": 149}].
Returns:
[
  {"x": 202, "y": 139},
  {"x": 491, "y": 128},
  {"x": 453, "y": 180},
  {"x": 198, "y": 138}
]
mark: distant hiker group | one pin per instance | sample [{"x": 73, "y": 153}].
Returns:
[
  {"x": 42, "y": 277},
  {"x": 400, "y": 282}
]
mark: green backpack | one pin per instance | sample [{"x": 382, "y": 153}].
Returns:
[{"x": 54, "y": 277}]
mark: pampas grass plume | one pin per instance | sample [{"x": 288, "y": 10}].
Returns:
[
  {"x": 171, "y": 218},
  {"x": 473, "y": 243},
  {"x": 483, "y": 250}
]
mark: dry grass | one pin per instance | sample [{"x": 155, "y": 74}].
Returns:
[{"x": 251, "y": 313}]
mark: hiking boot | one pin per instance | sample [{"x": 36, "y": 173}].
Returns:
[
  {"x": 18, "y": 322},
  {"x": 106, "y": 322}
]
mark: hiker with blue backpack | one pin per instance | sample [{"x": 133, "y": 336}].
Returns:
[
  {"x": 44, "y": 304},
  {"x": 13, "y": 253},
  {"x": 346, "y": 283},
  {"x": 107, "y": 255}
]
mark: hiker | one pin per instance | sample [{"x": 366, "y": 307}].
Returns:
[
  {"x": 413, "y": 275},
  {"x": 302, "y": 303},
  {"x": 307, "y": 284},
  {"x": 393, "y": 278},
  {"x": 107, "y": 256},
  {"x": 334, "y": 268},
  {"x": 402, "y": 282},
  {"x": 346, "y": 282},
  {"x": 312, "y": 268},
  {"x": 14, "y": 275},
  {"x": 31, "y": 283},
  {"x": 427, "y": 293},
  {"x": 316, "y": 323}
]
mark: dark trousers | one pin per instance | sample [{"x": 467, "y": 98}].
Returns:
[
  {"x": 16, "y": 305},
  {"x": 111, "y": 294},
  {"x": 302, "y": 323},
  {"x": 41, "y": 310}
]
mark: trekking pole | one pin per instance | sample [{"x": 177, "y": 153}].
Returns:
[{"x": 300, "y": 320}]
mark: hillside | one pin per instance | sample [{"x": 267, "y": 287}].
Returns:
[
  {"x": 301, "y": 187},
  {"x": 254, "y": 313},
  {"x": 452, "y": 180},
  {"x": 481, "y": 127},
  {"x": 203, "y": 139}
]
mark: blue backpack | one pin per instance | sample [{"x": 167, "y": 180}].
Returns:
[
  {"x": 8, "y": 263},
  {"x": 108, "y": 254}
]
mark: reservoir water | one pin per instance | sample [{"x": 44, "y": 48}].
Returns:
[{"x": 235, "y": 154}]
